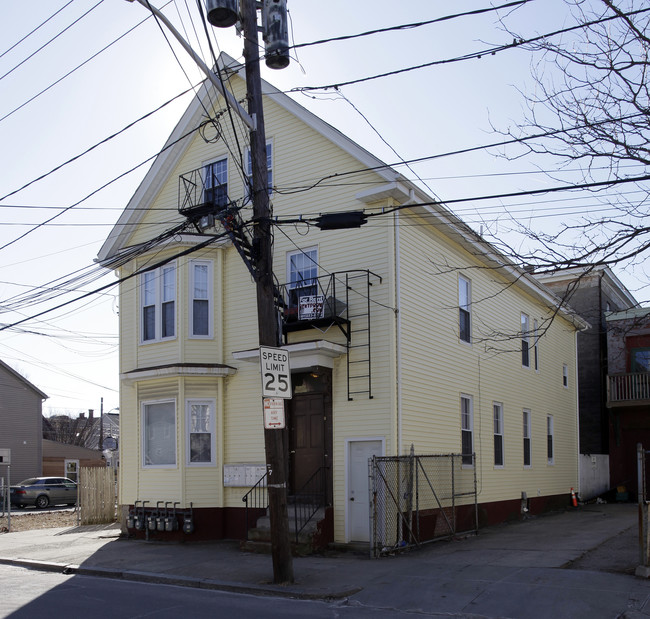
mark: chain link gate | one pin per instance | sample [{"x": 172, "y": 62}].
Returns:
[{"x": 419, "y": 499}]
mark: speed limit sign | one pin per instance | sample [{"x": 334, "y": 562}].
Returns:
[{"x": 276, "y": 374}]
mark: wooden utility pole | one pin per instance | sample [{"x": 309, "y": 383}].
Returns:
[{"x": 266, "y": 308}]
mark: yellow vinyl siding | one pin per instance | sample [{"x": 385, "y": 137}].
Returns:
[{"x": 437, "y": 367}]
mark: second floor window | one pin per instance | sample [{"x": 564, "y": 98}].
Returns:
[
  {"x": 525, "y": 340},
  {"x": 158, "y": 299},
  {"x": 464, "y": 301},
  {"x": 536, "y": 344},
  {"x": 640, "y": 360},
  {"x": 303, "y": 269},
  {"x": 200, "y": 298}
]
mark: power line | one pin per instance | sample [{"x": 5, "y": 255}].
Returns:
[
  {"x": 311, "y": 219},
  {"x": 137, "y": 272},
  {"x": 460, "y": 151},
  {"x": 412, "y": 25},
  {"x": 471, "y": 56},
  {"x": 50, "y": 41},
  {"x": 44, "y": 90},
  {"x": 108, "y": 183},
  {"x": 35, "y": 29}
]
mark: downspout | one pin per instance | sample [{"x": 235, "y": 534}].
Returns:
[
  {"x": 579, "y": 467},
  {"x": 398, "y": 334},
  {"x": 398, "y": 322}
]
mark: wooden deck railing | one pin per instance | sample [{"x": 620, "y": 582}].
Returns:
[{"x": 630, "y": 387}]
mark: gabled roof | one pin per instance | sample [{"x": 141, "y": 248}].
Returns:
[
  {"x": 22, "y": 379},
  {"x": 397, "y": 186},
  {"x": 598, "y": 270}
]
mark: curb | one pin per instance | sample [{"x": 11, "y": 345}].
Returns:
[{"x": 283, "y": 591}]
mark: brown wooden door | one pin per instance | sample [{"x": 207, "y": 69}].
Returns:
[{"x": 306, "y": 438}]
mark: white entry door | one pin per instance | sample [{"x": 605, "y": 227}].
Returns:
[{"x": 358, "y": 505}]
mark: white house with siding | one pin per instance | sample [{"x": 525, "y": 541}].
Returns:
[{"x": 407, "y": 331}]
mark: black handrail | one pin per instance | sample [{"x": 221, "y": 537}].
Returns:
[
  {"x": 309, "y": 499},
  {"x": 257, "y": 496}
]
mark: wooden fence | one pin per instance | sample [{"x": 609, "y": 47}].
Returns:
[{"x": 97, "y": 495}]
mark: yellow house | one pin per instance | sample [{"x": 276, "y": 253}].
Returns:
[{"x": 409, "y": 332}]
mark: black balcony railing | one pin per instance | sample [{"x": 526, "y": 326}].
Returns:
[
  {"x": 200, "y": 193},
  {"x": 313, "y": 301},
  {"x": 629, "y": 388}
]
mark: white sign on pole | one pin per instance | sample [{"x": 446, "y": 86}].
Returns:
[
  {"x": 273, "y": 414},
  {"x": 276, "y": 374},
  {"x": 5, "y": 456}
]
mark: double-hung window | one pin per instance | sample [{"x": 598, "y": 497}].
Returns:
[
  {"x": 549, "y": 439},
  {"x": 216, "y": 183},
  {"x": 536, "y": 344},
  {"x": 269, "y": 170},
  {"x": 158, "y": 303},
  {"x": 200, "y": 298},
  {"x": 302, "y": 267},
  {"x": 464, "y": 303},
  {"x": 159, "y": 434},
  {"x": 525, "y": 340},
  {"x": 565, "y": 375},
  {"x": 467, "y": 430},
  {"x": 527, "y": 438},
  {"x": 497, "y": 409},
  {"x": 200, "y": 444}
]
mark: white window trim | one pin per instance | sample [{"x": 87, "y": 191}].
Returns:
[
  {"x": 501, "y": 434},
  {"x": 536, "y": 345},
  {"x": 550, "y": 431},
  {"x": 467, "y": 308},
  {"x": 466, "y": 396},
  {"x": 143, "y": 437},
  {"x": 210, "y": 300},
  {"x": 212, "y": 404},
  {"x": 211, "y": 162},
  {"x": 527, "y": 413},
  {"x": 158, "y": 303},
  {"x": 297, "y": 252},
  {"x": 565, "y": 375},
  {"x": 525, "y": 337}
]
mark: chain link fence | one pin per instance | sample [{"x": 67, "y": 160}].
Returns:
[{"x": 419, "y": 499}]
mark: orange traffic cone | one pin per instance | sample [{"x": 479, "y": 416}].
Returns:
[{"x": 574, "y": 501}]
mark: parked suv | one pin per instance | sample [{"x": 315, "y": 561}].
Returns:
[{"x": 44, "y": 491}]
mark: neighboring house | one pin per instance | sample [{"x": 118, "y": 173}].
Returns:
[
  {"x": 105, "y": 432},
  {"x": 628, "y": 392},
  {"x": 64, "y": 460},
  {"x": 592, "y": 292},
  {"x": 21, "y": 429},
  {"x": 408, "y": 331}
]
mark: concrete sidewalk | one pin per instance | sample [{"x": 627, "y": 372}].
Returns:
[{"x": 571, "y": 564}]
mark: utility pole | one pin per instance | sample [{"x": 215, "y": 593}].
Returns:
[
  {"x": 266, "y": 308},
  {"x": 101, "y": 425},
  {"x": 225, "y": 13}
]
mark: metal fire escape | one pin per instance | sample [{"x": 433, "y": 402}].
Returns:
[{"x": 341, "y": 299}]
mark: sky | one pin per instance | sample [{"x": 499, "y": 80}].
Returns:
[{"x": 73, "y": 74}]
